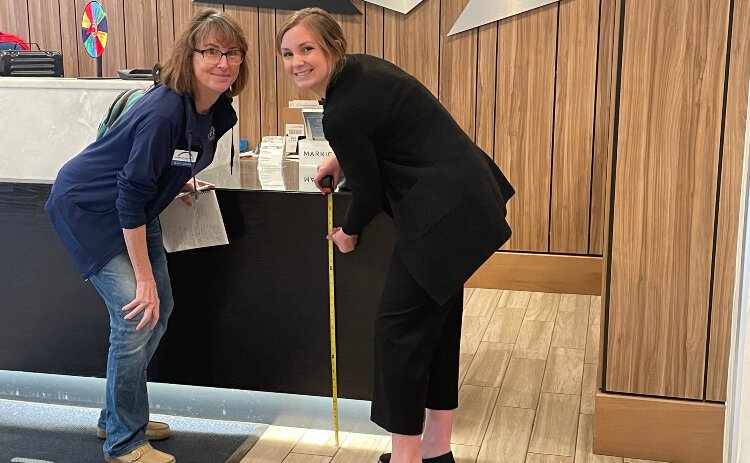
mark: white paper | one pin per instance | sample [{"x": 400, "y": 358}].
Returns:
[
  {"x": 307, "y": 177},
  {"x": 197, "y": 226},
  {"x": 313, "y": 152},
  {"x": 294, "y": 104}
]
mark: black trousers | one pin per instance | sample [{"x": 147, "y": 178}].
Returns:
[{"x": 417, "y": 345}]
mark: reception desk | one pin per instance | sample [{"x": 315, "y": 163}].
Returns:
[
  {"x": 252, "y": 314},
  {"x": 249, "y": 315}
]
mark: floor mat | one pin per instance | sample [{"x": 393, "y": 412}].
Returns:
[{"x": 41, "y": 433}]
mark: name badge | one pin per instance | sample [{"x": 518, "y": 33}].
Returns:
[{"x": 184, "y": 158}]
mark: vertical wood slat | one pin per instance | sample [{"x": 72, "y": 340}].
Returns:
[
  {"x": 164, "y": 28},
  {"x": 70, "y": 34},
  {"x": 668, "y": 141},
  {"x": 14, "y": 18},
  {"x": 44, "y": 22},
  {"x": 611, "y": 13},
  {"x": 141, "y": 24},
  {"x": 603, "y": 121},
  {"x": 180, "y": 15},
  {"x": 353, "y": 26},
  {"x": 374, "y": 17},
  {"x": 419, "y": 29},
  {"x": 486, "y": 88},
  {"x": 523, "y": 145},
  {"x": 729, "y": 204},
  {"x": 458, "y": 68},
  {"x": 249, "y": 99},
  {"x": 268, "y": 99},
  {"x": 574, "y": 115}
]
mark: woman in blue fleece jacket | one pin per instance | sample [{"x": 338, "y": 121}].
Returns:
[{"x": 105, "y": 204}]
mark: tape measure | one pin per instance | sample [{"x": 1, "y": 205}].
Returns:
[{"x": 327, "y": 184}]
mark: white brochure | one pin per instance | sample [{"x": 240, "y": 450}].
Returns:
[{"x": 270, "y": 160}]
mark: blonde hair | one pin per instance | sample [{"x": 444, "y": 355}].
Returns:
[
  {"x": 326, "y": 32},
  {"x": 177, "y": 72}
]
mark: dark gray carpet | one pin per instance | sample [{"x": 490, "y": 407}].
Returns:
[{"x": 41, "y": 433}]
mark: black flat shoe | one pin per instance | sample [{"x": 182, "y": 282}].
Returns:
[{"x": 447, "y": 458}]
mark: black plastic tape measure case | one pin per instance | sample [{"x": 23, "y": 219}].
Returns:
[{"x": 23, "y": 63}]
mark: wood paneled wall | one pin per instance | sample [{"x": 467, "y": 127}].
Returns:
[
  {"x": 678, "y": 164},
  {"x": 531, "y": 90}
]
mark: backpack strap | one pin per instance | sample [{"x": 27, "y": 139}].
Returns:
[{"x": 119, "y": 105}]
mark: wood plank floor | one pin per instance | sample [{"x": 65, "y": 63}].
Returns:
[{"x": 528, "y": 377}]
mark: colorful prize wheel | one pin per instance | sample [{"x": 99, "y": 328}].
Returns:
[{"x": 94, "y": 29}]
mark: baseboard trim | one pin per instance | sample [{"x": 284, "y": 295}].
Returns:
[
  {"x": 678, "y": 431},
  {"x": 549, "y": 273}
]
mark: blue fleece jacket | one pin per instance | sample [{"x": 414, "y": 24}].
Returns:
[{"x": 126, "y": 178}]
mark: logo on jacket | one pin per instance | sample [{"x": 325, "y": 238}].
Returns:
[{"x": 211, "y": 133}]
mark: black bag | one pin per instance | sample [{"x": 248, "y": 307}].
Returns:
[{"x": 23, "y": 63}]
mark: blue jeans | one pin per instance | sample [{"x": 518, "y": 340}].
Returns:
[{"x": 126, "y": 408}]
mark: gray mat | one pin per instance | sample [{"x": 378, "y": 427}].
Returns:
[{"x": 42, "y": 433}]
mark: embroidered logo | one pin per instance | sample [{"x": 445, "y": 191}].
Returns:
[{"x": 211, "y": 133}]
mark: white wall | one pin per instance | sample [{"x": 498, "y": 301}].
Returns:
[{"x": 737, "y": 423}]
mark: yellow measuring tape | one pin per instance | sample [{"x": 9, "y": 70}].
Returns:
[{"x": 332, "y": 318}]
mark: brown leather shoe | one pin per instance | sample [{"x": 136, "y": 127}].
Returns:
[
  {"x": 155, "y": 430},
  {"x": 143, "y": 454}
]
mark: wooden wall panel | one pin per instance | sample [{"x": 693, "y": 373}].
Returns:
[
  {"x": 458, "y": 68},
  {"x": 250, "y": 97},
  {"x": 165, "y": 28},
  {"x": 353, "y": 26},
  {"x": 611, "y": 14},
  {"x": 523, "y": 145},
  {"x": 44, "y": 25},
  {"x": 486, "y": 88},
  {"x": 374, "y": 27},
  {"x": 574, "y": 113},
  {"x": 729, "y": 204},
  {"x": 652, "y": 429},
  {"x": 268, "y": 101},
  {"x": 70, "y": 33},
  {"x": 498, "y": 85},
  {"x": 665, "y": 192},
  {"x": 419, "y": 29},
  {"x": 141, "y": 23},
  {"x": 603, "y": 120},
  {"x": 14, "y": 18}
]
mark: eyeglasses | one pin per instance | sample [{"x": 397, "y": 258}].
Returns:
[{"x": 213, "y": 56}]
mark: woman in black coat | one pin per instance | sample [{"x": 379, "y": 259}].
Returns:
[{"x": 401, "y": 150}]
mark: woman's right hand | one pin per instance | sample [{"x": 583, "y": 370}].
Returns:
[
  {"x": 329, "y": 166},
  {"x": 146, "y": 301}
]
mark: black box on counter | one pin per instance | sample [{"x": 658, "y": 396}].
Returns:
[{"x": 28, "y": 63}]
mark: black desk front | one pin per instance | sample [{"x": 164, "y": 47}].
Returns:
[{"x": 249, "y": 315}]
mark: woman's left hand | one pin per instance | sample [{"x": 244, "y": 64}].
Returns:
[{"x": 344, "y": 242}]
